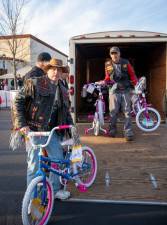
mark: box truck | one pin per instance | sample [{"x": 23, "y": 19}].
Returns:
[{"x": 147, "y": 52}]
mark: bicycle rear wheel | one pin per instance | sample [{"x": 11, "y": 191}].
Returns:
[
  {"x": 37, "y": 202},
  {"x": 87, "y": 169}
]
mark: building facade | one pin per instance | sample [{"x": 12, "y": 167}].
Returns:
[{"x": 28, "y": 48}]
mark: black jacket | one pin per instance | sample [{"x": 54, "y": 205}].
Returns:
[
  {"x": 34, "y": 72},
  {"x": 64, "y": 83},
  {"x": 41, "y": 106}
]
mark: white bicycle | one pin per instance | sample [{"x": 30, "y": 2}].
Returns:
[
  {"x": 98, "y": 117},
  {"x": 147, "y": 118}
]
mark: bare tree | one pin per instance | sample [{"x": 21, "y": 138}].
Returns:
[{"x": 12, "y": 23}]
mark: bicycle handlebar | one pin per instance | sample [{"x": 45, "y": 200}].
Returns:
[
  {"x": 98, "y": 84},
  {"x": 46, "y": 133}
]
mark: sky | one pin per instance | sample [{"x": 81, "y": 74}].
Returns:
[{"x": 56, "y": 21}]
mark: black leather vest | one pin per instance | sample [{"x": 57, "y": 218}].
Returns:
[{"x": 122, "y": 78}]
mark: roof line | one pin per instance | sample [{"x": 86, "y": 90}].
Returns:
[
  {"x": 118, "y": 31},
  {"x": 33, "y": 37}
]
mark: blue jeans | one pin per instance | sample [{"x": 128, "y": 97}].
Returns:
[
  {"x": 120, "y": 100},
  {"x": 54, "y": 151}
]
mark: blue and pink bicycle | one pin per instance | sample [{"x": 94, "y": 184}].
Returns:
[{"x": 78, "y": 165}]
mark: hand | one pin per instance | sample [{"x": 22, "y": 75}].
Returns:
[
  {"x": 101, "y": 82},
  {"x": 25, "y": 130}
]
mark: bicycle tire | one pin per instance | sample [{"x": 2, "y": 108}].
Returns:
[
  {"x": 27, "y": 199},
  {"x": 141, "y": 126}
]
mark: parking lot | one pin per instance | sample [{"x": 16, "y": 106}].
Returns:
[{"x": 129, "y": 164}]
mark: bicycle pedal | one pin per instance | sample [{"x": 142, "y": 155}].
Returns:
[{"x": 82, "y": 188}]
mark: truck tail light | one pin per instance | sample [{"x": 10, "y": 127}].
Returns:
[
  {"x": 71, "y": 91},
  {"x": 71, "y": 79}
]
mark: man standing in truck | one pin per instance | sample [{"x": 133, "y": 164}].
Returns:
[{"x": 121, "y": 74}]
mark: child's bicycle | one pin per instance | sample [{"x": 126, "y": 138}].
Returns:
[
  {"x": 98, "y": 117},
  {"x": 79, "y": 165},
  {"x": 147, "y": 118}
]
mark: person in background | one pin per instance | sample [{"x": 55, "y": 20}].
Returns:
[
  {"x": 120, "y": 73},
  {"x": 1, "y": 85},
  {"x": 64, "y": 81},
  {"x": 64, "y": 77},
  {"x": 12, "y": 84},
  {"x": 19, "y": 82},
  {"x": 6, "y": 86},
  {"x": 38, "y": 70}
]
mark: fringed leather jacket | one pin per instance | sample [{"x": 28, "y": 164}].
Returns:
[{"x": 41, "y": 105}]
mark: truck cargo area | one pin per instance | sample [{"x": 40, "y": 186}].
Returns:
[{"x": 148, "y": 59}]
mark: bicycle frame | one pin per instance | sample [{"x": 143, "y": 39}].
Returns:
[
  {"x": 42, "y": 165},
  {"x": 140, "y": 104}
]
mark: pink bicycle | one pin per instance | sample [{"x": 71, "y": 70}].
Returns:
[
  {"x": 98, "y": 117},
  {"x": 147, "y": 118}
]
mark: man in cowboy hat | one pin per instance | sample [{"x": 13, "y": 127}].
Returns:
[
  {"x": 120, "y": 72},
  {"x": 41, "y": 105}
]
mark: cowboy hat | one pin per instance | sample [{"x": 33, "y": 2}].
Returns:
[{"x": 54, "y": 63}]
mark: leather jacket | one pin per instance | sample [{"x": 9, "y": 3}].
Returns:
[{"x": 41, "y": 105}]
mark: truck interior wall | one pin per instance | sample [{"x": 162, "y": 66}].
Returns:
[
  {"x": 80, "y": 78},
  {"x": 157, "y": 77},
  {"x": 96, "y": 69}
]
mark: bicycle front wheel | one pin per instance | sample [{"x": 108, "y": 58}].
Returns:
[
  {"x": 37, "y": 202},
  {"x": 148, "y": 119}
]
